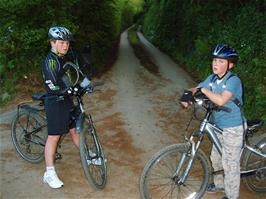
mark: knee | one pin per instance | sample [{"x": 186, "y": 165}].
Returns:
[
  {"x": 52, "y": 139},
  {"x": 72, "y": 131},
  {"x": 231, "y": 167}
]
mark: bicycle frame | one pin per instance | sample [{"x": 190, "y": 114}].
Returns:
[
  {"x": 34, "y": 109},
  {"x": 212, "y": 132}
]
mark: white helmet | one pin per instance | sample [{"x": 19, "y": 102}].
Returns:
[{"x": 59, "y": 33}]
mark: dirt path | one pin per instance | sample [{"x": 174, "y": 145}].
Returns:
[{"x": 136, "y": 114}]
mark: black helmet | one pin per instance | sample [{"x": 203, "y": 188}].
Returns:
[
  {"x": 225, "y": 52},
  {"x": 59, "y": 33}
]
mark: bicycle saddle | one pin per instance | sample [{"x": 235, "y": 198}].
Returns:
[
  {"x": 252, "y": 124},
  {"x": 38, "y": 96}
]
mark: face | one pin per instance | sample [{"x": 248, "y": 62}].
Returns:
[
  {"x": 60, "y": 46},
  {"x": 219, "y": 66}
]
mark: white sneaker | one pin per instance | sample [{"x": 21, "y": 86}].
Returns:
[{"x": 52, "y": 180}]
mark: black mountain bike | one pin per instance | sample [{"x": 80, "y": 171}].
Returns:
[
  {"x": 29, "y": 132},
  {"x": 183, "y": 170}
]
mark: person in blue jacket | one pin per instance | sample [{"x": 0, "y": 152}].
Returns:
[{"x": 225, "y": 89}]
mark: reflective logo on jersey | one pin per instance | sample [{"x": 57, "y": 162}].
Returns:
[
  {"x": 51, "y": 85},
  {"x": 52, "y": 64}
]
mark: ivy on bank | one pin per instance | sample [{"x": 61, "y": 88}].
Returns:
[{"x": 187, "y": 30}]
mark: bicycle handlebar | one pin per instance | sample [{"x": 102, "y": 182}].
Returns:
[
  {"x": 209, "y": 105},
  {"x": 98, "y": 83}
]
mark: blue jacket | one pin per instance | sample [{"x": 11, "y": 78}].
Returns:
[{"x": 230, "y": 83}]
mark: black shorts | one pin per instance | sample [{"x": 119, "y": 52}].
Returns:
[{"x": 60, "y": 114}]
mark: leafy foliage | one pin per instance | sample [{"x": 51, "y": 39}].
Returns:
[
  {"x": 187, "y": 30},
  {"x": 24, "y": 27}
]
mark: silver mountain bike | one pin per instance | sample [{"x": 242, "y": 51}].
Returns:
[{"x": 183, "y": 170}]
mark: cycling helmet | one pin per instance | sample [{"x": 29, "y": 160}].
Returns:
[
  {"x": 225, "y": 52},
  {"x": 59, "y": 33}
]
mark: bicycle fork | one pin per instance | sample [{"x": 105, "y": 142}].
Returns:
[{"x": 194, "y": 148}]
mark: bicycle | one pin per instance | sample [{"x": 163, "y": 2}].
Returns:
[
  {"x": 183, "y": 170},
  {"x": 29, "y": 131}
]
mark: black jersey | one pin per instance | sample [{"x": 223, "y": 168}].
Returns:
[{"x": 53, "y": 74}]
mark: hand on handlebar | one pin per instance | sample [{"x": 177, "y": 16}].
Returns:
[
  {"x": 186, "y": 98},
  {"x": 192, "y": 95},
  {"x": 90, "y": 89},
  {"x": 200, "y": 95}
]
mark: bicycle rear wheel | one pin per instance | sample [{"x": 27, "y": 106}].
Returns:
[
  {"x": 92, "y": 155},
  {"x": 256, "y": 182},
  {"x": 29, "y": 136},
  {"x": 158, "y": 179}
]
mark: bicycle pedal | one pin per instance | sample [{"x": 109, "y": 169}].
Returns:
[{"x": 58, "y": 156}]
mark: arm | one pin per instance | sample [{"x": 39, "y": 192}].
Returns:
[
  {"x": 233, "y": 86},
  {"x": 50, "y": 76},
  {"x": 217, "y": 98},
  {"x": 202, "y": 84}
]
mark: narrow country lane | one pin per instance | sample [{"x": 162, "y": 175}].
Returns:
[{"x": 136, "y": 113}]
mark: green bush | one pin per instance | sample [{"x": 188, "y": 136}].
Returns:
[
  {"x": 187, "y": 30},
  {"x": 24, "y": 27}
]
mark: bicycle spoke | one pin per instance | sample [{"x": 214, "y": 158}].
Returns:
[
  {"x": 29, "y": 136},
  {"x": 159, "y": 178},
  {"x": 90, "y": 151}
]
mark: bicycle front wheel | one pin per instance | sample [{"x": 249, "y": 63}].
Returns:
[
  {"x": 159, "y": 178},
  {"x": 256, "y": 182},
  {"x": 92, "y": 155},
  {"x": 29, "y": 134}
]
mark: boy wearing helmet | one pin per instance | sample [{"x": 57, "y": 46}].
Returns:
[
  {"x": 58, "y": 106},
  {"x": 225, "y": 89}
]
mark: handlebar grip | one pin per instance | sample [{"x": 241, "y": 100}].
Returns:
[{"x": 98, "y": 83}]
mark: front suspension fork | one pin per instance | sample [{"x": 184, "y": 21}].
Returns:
[{"x": 191, "y": 153}]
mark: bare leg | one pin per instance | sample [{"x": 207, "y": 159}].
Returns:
[
  {"x": 75, "y": 136},
  {"x": 50, "y": 149},
  {"x": 50, "y": 177}
]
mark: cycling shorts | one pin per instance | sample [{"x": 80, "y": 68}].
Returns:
[{"x": 60, "y": 114}]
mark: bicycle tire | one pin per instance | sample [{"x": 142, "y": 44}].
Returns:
[
  {"x": 157, "y": 177},
  {"x": 257, "y": 182},
  {"x": 29, "y": 135},
  {"x": 96, "y": 175}
]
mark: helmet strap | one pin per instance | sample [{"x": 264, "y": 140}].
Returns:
[{"x": 54, "y": 50}]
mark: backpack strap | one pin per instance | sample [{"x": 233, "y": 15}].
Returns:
[
  {"x": 213, "y": 80},
  {"x": 236, "y": 101}
]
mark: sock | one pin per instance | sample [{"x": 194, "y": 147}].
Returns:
[{"x": 50, "y": 169}]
